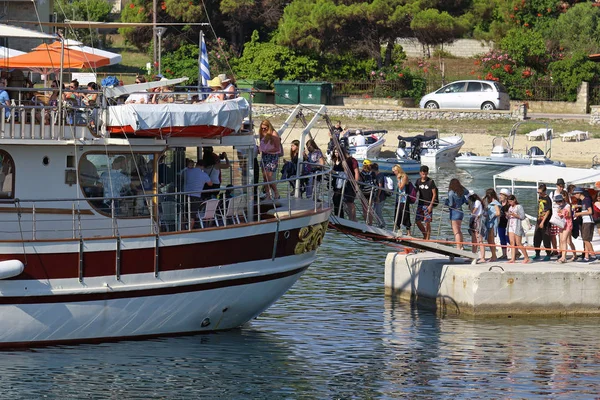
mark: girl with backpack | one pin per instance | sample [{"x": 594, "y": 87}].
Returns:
[
  {"x": 368, "y": 188},
  {"x": 454, "y": 202}
]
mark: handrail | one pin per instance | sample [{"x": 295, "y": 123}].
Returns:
[{"x": 110, "y": 222}]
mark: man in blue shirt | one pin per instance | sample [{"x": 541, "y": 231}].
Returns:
[
  {"x": 194, "y": 181},
  {"x": 4, "y": 98}
]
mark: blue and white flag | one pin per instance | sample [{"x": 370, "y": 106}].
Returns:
[{"x": 204, "y": 70}]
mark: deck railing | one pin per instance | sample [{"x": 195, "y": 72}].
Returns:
[{"x": 94, "y": 217}]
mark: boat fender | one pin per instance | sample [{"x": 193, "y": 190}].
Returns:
[{"x": 10, "y": 268}]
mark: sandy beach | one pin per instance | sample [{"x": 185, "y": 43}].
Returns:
[{"x": 573, "y": 154}]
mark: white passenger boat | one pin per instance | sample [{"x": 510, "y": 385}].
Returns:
[
  {"x": 431, "y": 148},
  {"x": 503, "y": 156},
  {"x": 96, "y": 241}
]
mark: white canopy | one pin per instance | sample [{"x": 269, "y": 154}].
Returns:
[
  {"x": 114, "y": 58},
  {"x": 5, "y": 52},
  {"x": 550, "y": 174},
  {"x": 14, "y": 31},
  {"x": 142, "y": 117},
  {"x": 140, "y": 87}
]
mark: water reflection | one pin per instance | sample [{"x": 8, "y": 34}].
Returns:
[{"x": 501, "y": 357}]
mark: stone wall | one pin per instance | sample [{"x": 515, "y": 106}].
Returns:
[
  {"x": 391, "y": 113},
  {"x": 595, "y": 115},
  {"x": 460, "y": 48},
  {"x": 561, "y": 107}
]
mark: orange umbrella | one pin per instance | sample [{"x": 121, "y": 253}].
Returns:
[{"x": 46, "y": 58}]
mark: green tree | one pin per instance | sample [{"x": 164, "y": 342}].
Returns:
[
  {"x": 578, "y": 30},
  {"x": 571, "y": 71},
  {"x": 432, "y": 27},
  {"x": 527, "y": 47},
  {"x": 270, "y": 62},
  {"x": 83, "y": 10}
]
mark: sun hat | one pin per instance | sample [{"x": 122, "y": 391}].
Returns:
[
  {"x": 366, "y": 162},
  {"x": 560, "y": 181},
  {"x": 223, "y": 78},
  {"x": 505, "y": 191},
  {"x": 578, "y": 190},
  {"x": 215, "y": 82},
  {"x": 558, "y": 198}
]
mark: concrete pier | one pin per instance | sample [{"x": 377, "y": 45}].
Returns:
[{"x": 494, "y": 289}]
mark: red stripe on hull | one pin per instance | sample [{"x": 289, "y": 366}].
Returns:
[
  {"x": 126, "y": 294},
  {"x": 172, "y": 258}
]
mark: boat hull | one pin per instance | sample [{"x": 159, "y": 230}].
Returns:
[
  {"x": 201, "y": 304},
  {"x": 192, "y": 282},
  {"x": 443, "y": 154},
  {"x": 385, "y": 164},
  {"x": 487, "y": 166}
]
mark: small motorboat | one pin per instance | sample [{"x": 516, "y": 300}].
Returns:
[
  {"x": 364, "y": 144},
  {"x": 367, "y": 145},
  {"x": 503, "y": 156},
  {"x": 430, "y": 148}
]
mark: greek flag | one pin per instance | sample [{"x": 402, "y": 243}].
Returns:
[{"x": 204, "y": 71}]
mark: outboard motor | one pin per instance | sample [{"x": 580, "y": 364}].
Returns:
[
  {"x": 401, "y": 144},
  {"x": 535, "y": 151},
  {"x": 415, "y": 149}
]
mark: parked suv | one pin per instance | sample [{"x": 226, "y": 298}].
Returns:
[{"x": 484, "y": 95}]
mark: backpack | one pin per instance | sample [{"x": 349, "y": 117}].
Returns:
[
  {"x": 340, "y": 180},
  {"x": 595, "y": 213},
  {"x": 411, "y": 193},
  {"x": 369, "y": 181}
]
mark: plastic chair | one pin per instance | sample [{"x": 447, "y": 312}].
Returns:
[
  {"x": 209, "y": 213},
  {"x": 233, "y": 209}
]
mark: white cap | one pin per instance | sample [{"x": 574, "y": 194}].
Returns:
[
  {"x": 505, "y": 191},
  {"x": 357, "y": 132},
  {"x": 471, "y": 192}
]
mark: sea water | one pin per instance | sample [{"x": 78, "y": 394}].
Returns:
[{"x": 333, "y": 335}]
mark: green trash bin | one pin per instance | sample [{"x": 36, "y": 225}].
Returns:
[
  {"x": 286, "y": 92},
  {"x": 315, "y": 93},
  {"x": 259, "y": 97}
]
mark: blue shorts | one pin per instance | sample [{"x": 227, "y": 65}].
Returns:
[
  {"x": 423, "y": 214},
  {"x": 456, "y": 215}
]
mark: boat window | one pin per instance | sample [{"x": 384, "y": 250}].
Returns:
[
  {"x": 474, "y": 87},
  {"x": 7, "y": 176},
  {"x": 116, "y": 176}
]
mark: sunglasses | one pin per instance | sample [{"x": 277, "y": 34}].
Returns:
[{"x": 137, "y": 82}]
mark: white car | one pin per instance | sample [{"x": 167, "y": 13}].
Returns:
[{"x": 482, "y": 95}]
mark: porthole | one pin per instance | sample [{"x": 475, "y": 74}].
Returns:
[
  {"x": 286, "y": 234},
  {"x": 45, "y": 160}
]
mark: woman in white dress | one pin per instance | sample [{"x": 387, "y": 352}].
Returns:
[{"x": 515, "y": 215}]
